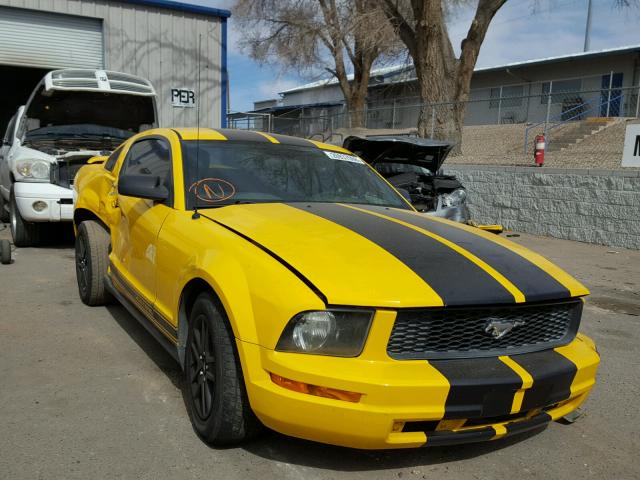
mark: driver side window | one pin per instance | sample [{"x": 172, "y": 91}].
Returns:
[{"x": 150, "y": 156}]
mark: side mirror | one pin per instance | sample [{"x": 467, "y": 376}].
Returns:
[
  {"x": 405, "y": 194},
  {"x": 143, "y": 186}
]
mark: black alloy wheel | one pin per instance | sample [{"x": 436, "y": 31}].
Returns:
[
  {"x": 214, "y": 387},
  {"x": 92, "y": 259},
  {"x": 202, "y": 375}
]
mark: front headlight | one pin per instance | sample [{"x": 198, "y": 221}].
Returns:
[
  {"x": 339, "y": 333},
  {"x": 33, "y": 169},
  {"x": 455, "y": 198}
]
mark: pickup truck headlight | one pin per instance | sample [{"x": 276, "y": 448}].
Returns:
[
  {"x": 455, "y": 198},
  {"x": 33, "y": 170},
  {"x": 339, "y": 333}
]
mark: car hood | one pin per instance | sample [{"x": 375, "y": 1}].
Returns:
[
  {"x": 73, "y": 107},
  {"x": 421, "y": 152},
  {"x": 383, "y": 257}
]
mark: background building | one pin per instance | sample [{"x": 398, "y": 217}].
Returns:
[
  {"x": 601, "y": 83},
  {"x": 154, "y": 39}
]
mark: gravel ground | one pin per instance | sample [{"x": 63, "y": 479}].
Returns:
[{"x": 87, "y": 393}]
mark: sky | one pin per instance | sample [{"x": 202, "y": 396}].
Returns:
[{"x": 521, "y": 30}]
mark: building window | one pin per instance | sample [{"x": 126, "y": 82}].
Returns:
[
  {"x": 563, "y": 91},
  {"x": 511, "y": 97}
]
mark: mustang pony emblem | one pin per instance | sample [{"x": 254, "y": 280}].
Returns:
[{"x": 498, "y": 328}]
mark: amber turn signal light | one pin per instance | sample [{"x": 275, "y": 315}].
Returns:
[{"x": 315, "y": 389}]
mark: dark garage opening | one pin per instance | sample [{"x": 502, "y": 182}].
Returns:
[{"x": 16, "y": 84}]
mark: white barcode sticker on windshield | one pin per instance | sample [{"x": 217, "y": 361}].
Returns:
[{"x": 343, "y": 156}]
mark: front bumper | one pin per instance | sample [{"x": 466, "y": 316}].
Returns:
[
  {"x": 58, "y": 200},
  {"x": 411, "y": 403}
]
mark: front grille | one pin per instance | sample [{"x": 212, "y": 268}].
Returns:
[
  {"x": 64, "y": 173},
  {"x": 462, "y": 332}
]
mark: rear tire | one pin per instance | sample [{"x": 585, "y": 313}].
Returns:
[
  {"x": 5, "y": 252},
  {"x": 215, "y": 391},
  {"x": 4, "y": 212},
  {"x": 92, "y": 258},
  {"x": 25, "y": 234}
]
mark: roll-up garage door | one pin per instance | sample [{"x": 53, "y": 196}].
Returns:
[{"x": 33, "y": 38}]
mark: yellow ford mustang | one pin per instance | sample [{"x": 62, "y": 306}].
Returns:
[{"x": 298, "y": 290}]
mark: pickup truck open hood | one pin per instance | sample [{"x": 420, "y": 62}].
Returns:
[
  {"x": 70, "y": 107},
  {"x": 421, "y": 152}
]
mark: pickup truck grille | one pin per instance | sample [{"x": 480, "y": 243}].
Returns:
[
  {"x": 63, "y": 173},
  {"x": 472, "y": 332}
]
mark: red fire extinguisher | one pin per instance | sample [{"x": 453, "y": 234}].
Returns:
[{"x": 538, "y": 150}]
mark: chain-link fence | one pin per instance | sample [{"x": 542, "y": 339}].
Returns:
[{"x": 511, "y": 114}]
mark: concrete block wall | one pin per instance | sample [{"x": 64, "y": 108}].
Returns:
[{"x": 593, "y": 206}]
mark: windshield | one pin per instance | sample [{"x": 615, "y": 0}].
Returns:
[{"x": 248, "y": 172}]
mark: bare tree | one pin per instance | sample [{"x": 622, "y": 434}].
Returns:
[
  {"x": 338, "y": 36},
  {"x": 443, "y": 77}
]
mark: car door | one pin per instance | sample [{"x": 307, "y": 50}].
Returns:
[{"x": 135, "y": 232}]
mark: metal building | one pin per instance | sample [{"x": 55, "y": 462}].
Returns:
[{"x": 167, "y": 42}]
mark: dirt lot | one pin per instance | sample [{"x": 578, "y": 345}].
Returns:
[{"x": 86, "y": 393}]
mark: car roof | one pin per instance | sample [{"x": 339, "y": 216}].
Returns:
[{"x": 235, "y": 135}]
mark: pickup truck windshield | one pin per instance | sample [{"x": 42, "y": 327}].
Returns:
[{"x": 226, "y": 173}]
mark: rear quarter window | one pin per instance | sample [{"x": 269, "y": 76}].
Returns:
[{"x": 110, "y": 164}]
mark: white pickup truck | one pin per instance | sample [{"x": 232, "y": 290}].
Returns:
[{"x": 71, "y": 116}]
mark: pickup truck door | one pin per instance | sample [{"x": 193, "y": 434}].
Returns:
[{"x": 135, "y": 231}]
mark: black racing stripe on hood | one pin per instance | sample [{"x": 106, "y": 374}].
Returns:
[
  {"x": 456, "y": 279},
  {"x": 552, "y": 375},
  {"x": 286, "y": 264},
  {"x": 536, "y": 284},
  {"x": 479, "y": 387}
]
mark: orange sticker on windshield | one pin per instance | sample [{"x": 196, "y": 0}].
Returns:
[{"x": 213, "y": 190}]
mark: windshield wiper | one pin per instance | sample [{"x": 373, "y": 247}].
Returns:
[{"x": 227, "y": 204}]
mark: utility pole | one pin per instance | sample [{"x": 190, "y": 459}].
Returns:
[{"x": 587, "y": 32}]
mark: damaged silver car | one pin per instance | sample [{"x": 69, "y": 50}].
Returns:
[{"x": 412, "y": 165}]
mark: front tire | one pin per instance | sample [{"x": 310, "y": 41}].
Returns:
[
  {"x": 92, "y": 257},
  {"x": 25, "y": 234},
  {"x": 214, "y": 385}
]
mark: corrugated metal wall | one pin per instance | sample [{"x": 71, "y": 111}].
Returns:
[
  {"x": 37, "y": 39},
  {"x": 158, "y": 44}
]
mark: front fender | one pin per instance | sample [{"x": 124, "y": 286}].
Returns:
[{"x": 259, "y": 294}]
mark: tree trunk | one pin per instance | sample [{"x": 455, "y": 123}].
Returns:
[
  {"x": 434, "y": 60},
  {"x": 356, "y": 108},
  {"x": 444, "y": 81}
]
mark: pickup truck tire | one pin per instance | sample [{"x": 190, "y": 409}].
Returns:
[
  {"x": 214, "y": 386},
  {"x": 4, "y": 213},
  {"x": 92, "y": 257},
  {"x": 5, "y": 252},
  {"x": 25, "y": 234}
]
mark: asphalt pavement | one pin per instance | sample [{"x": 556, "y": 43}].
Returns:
[{"x": 86, "y": 393}]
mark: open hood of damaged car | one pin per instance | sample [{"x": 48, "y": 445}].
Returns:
[
  {"x": 422, "y": 152},
  {"x": 370, "y": 256}
]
